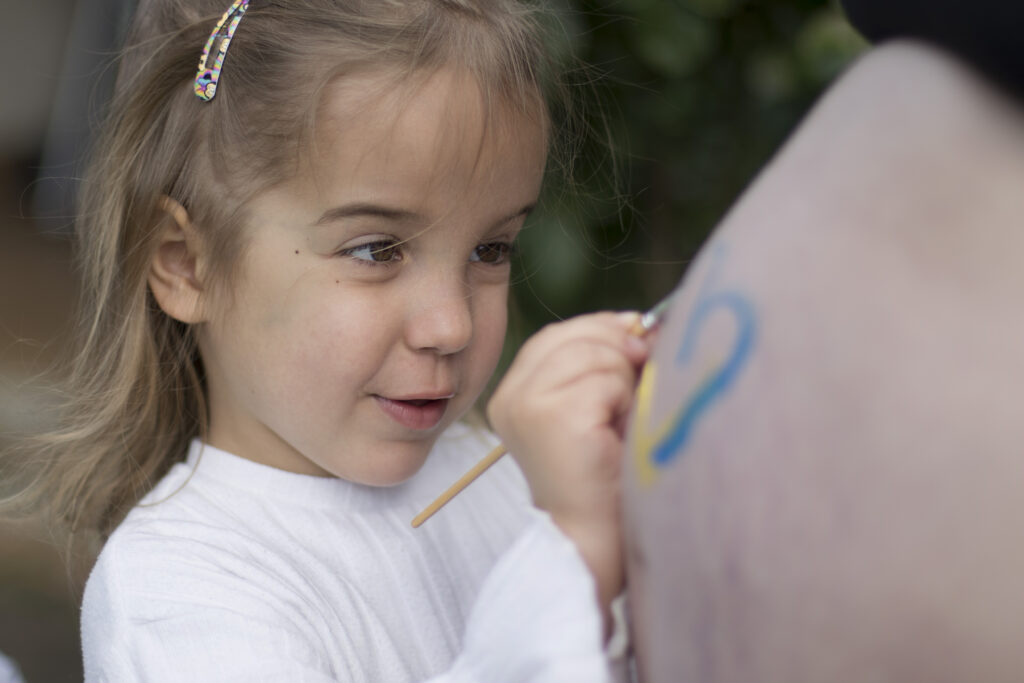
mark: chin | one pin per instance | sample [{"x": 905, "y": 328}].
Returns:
[
  {"x": 393, "y": 465},
  {"x": 392, "y": 478}
]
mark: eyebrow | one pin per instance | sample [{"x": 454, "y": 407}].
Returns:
[
  {"x": 521, "y": 213},
  {"x": 365, "y": 209},
  {"x": 397, "y": 215}
]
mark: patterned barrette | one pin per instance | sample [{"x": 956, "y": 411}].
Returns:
[{"x": 224, "y": 31}]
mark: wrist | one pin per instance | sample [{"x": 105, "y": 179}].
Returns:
[{"x": 599, "y": 545}]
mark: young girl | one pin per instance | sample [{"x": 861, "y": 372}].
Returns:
[{"x": 296, "y": 265}]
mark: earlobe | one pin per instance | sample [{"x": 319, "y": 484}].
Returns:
[{"x": 175, "y": 271}]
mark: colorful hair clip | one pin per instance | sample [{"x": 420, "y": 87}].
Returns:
[{"x": 206, "y": 79}]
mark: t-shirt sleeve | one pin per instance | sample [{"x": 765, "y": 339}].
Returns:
[{"x": 536, "y": 618}]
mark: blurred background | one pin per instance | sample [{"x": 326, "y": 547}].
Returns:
[{"x": 696, "y": 94}]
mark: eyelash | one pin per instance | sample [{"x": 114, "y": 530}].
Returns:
[
  {"x": 388, "y": 247},
  {"x": 507, "y": 251},
  {"x": 372, "y": 249}
]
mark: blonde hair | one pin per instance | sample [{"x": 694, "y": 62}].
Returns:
[{"x": 136, "y": 389}]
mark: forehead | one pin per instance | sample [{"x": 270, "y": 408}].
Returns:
[{"x": 435, "y": 129}]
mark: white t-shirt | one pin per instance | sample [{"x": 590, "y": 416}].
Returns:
[
  {"x": 232, "y": 570},
  {"x": 9, "y": 672}
]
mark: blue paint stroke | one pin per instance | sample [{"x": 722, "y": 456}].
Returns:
[{"x": 714, "y": 386}]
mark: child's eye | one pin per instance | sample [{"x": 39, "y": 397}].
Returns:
[
  {"x": 382, "y": 251},
  {"x": 493, "y": 253}
]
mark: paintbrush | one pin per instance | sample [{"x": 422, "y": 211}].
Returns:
[{"x": 647, "y": 323}]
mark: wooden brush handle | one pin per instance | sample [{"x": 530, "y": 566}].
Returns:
[{"x": 467, "y": 479}]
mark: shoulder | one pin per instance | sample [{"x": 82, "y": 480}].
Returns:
[
  {"x": 162, "y": 587},
  {"x": 191, "y": 542},
  {"x": 151, "y": 563}
]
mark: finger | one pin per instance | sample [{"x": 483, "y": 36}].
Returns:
[
  {"x": 598, "y": 399},
  {"x": 569, "y": 363},
  {"x": 563, "y": 365},
  {"x": 562, "y": 372},
  {"x": 567, "y": 351},
  {"x": 609, "y": 327}
]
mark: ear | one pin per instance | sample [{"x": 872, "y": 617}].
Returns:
[{"x": 177, "y": 267}]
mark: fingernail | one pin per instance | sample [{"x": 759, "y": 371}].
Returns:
[{"x": 628, "y": 317}]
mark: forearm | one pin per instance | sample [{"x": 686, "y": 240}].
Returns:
[{"x": 536, "y": 618}]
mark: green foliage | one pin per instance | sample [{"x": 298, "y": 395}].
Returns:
[{"x": 695, "y": 96}]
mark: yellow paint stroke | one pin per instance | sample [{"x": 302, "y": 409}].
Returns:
[{"x": 643, "y": 440}]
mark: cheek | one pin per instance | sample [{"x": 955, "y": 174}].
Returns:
[
  {"x": 339, "y": 337},
  {"x": 314, "y": 342},
  {"x": 490, "y": 323}
]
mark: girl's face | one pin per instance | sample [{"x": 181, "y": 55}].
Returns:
[{"x": 369, "y": 309}]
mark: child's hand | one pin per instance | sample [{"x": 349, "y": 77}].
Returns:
[{"x": 561, "y": 412}]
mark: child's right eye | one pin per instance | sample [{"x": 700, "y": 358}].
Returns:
[{"x": 382, "y": 251}]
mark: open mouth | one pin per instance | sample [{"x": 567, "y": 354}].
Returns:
[{"x": 414, "y": 413}]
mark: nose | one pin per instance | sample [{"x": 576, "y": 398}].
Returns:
[{"x": 440, "y": 318}]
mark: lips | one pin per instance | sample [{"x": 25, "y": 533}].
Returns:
[{"x": 419, "y": 413}]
